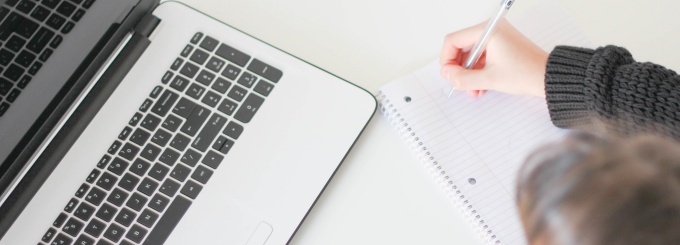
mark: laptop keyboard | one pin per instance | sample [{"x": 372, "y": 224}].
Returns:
[
  {"x": 30, "y": 30},
  {"x": 170, "y": 148}
]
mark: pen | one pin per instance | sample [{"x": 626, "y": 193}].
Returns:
[{"x": 479, "y": 47}]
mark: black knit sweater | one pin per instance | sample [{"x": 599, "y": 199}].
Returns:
[{"x": 584, "y": 85}]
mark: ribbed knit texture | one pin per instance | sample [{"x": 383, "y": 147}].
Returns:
[{"x": 608, "y": 85}]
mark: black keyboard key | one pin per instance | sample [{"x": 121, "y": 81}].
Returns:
[
  {"x": 233, "y": 55},
  {"x": 113, "y": 149},
  {"x": 195, "y": 120},
  {"x": 51, "y": 3},
  {"x": 117, "y": 197},
  {"x": 49, "y": 235},
  {"x": 4, "y": 106},
  {"x": 96, "y": 196},
  {"x": 107, "y": 180},
  {"x": 169, "y": 157},
  {"x": 66, "y": 9},
  {"x": 180, "y": 172},
  {"x": 9, "y": 25},
  {"x": 125, "y": 133},
  {"x": 189, "y": 70},
  {"x": 26, "y": 28},
  {"x": 56, "y": 41},
  {"x": 118, "y": 166},
  {"x": 5, "y": 86},
  {"x": 34, "y": 68},
  {"x": 202, "y": 174},
  {"x": 11, "y": 3},
  {"x": 184, "y": 107},
  {"x": 233, "y": 130},
  {"x": 125, "y": 217},
  {"x": 84, "y": 211},
  {"x": 73, "y": 227},
  {"x": 5, "y": 57},
  {"x": 23, "y": 82},
  {"x": 105, "y": 242},
  {"x": 224, "y": 148},
  {"x": 211, "y": 99},
  {"x": 84, "y": 240},
  {"x": 92, "y": 176},
  {"x": 161, "y": 137},
  {"x": 180, "y": 142},
  {"x": 199, "y": 56},
  {"x": 106, "y": 212},
  {"x": 147, "y": 186},
  {"x": 172, "y": 123},
  {"x": 231, "y": 72},
  {"x": 104, "y": 161},
  {"x": 209, "y": 43},
  {"x": 68, "y": 27},
  {"x": 114, "y": 232},
  {"x": 247, "y": 79},
  {"x": 156, "y": 92},
  {"x": 212, "y": 159},
  {"x": 263, "y": 87},
  {"x": 168, "y": 221},
  {"x": 25, "y": 6},
  {"x": 15, "y": 43},
  {"x": 129, "y": 151},
  {"x": 55, "y": 21},
  {"x": 135, "y": 119},
  {"x": 129, "y": 181},
  {"x": 3, "y": 12},
  {"x": 197, "y": 37},
  {"x": 176, "y": 64},
  {"x": 166, "y": 77},
  {"x": 71, "y": 205},
  {"x": 159, "y": 202},
  {"x": 158, "y": 171},
  {"x": 80, "y": 193},
  {"x": 150, "y": 122},
  {"x": 221, "y": 85},
  {"x": 139, "y": 167},
  {"x": 215, "y": 64},
  {"x": 62, "y": 239},
  {"x": 136, "y": 233},
  {"x": 88, "y": 3},
  {"x": 137, "y": 201},
  {"x": 95, "y": 228},
  {"x": 40, "y": 13},
  {"x": 150, "y": 152},
  {"x": 209, "y": 132},
  {"x": 78, "y": 15},
  {"x": 147, "y": 218},
  {"x": 165, "y": 103},
  {"x": 186, "y": 51},
  {"x": 195, "y": 91},
  {"x": 264, "y": 70},
  {"x": 145, "y": 105},
  {"x": 179, "y": 83},
  {"x": 191, "y": 157},
  {"x": 249, "y": 108},
  {"x": 219, "y": 142},
  {"x": 13, "y": 95},
  {"x": 237, "y": 93},
  {"x": 191, "y": 189},
  {"x": 205, "y": 77},
  {"x": 140, "y": 136},
  {"x": 169, "y": 187},
  {"x": 59, "y": 221},
  {"x": 227, "y": 107}
]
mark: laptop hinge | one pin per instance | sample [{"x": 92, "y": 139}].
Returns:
[{"x": 147, "y": 25}]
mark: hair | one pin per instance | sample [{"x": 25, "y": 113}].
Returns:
[{"x": 591, "y": 189}]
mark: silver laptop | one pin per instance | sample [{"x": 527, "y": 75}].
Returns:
[{"x": 140, "y": 123}]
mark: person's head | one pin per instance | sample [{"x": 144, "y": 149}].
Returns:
[{"x": 589, "y": 190}]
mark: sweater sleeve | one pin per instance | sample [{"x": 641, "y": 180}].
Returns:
[{"x": 606, "y": 84}]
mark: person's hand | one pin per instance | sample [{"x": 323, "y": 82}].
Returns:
[{"x": 511, "y": 63}]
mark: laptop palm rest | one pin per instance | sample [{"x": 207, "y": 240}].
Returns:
[{"x": 261, "y": 234}]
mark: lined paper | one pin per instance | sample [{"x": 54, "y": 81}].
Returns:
[{"x": 479, "y": 144}]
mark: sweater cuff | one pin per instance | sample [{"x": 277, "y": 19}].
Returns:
[{"x": 564, "y": 86}]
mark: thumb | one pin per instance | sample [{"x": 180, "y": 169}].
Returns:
[{"x": 465, "y": 79}]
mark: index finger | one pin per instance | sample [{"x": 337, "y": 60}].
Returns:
[{"x": 457, "y": 41}]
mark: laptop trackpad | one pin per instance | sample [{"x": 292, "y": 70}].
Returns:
[{"x": 261, "y": 234}]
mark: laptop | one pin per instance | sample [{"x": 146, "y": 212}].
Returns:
[{"x": 134, "y": 122}]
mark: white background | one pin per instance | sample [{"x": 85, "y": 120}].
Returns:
[{"x": 380, "y": 195}]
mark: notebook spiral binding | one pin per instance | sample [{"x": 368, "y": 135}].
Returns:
[{"x": 432, "y": 166}]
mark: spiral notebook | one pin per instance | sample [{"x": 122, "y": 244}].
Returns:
[{"x": 474, "y": 147}]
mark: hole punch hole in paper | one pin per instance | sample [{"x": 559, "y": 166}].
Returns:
[
  {"x": 407, "y": 99},
  {"x": 472, "y": 181}
]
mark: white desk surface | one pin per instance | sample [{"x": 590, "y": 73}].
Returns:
[{"x": 380, "y": 195}]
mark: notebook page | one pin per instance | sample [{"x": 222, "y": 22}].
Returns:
[{"x": 479, "y": 144}]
